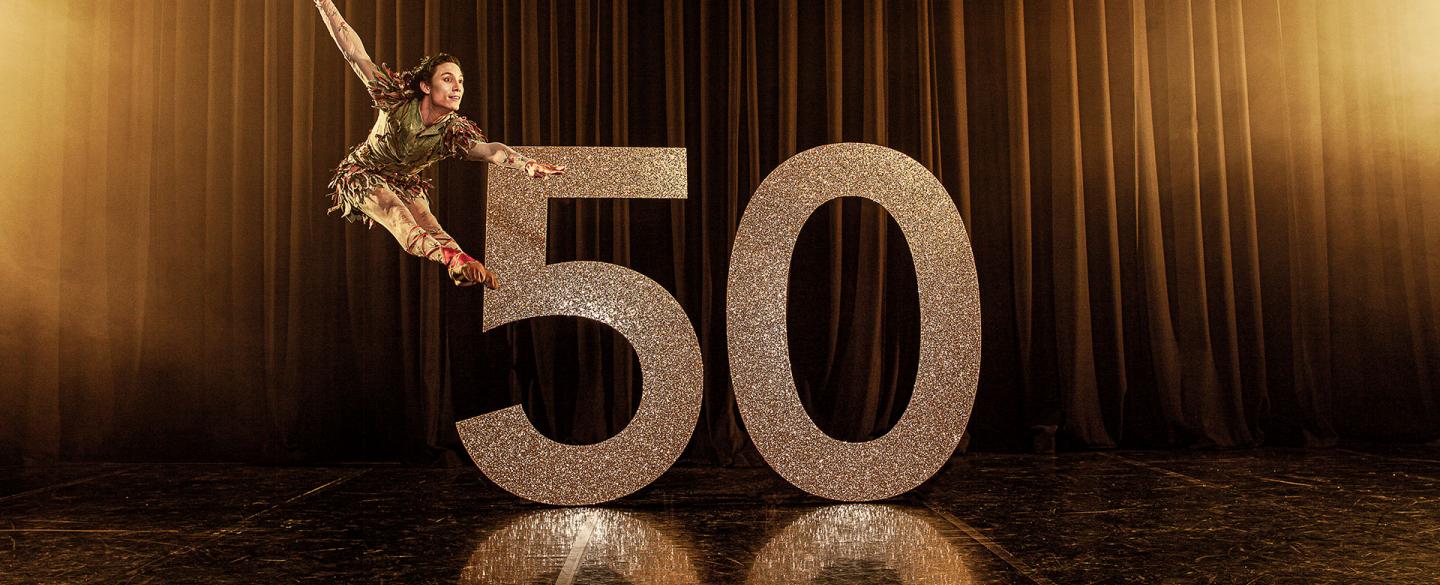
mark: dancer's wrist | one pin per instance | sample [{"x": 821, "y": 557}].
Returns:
[
  {"x": 520, "y": 161},
  {"x": 454, "y": 258}
]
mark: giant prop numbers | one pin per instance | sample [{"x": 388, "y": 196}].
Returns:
[{"x": 515, "y": 456}]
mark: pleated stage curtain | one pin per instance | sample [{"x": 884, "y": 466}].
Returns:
[{"x": 1197, "y": 223}]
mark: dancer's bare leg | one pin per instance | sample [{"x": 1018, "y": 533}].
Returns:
[{"x": 390, "y": 211}]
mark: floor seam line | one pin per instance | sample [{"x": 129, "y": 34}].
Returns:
[
  {"x": 1162, "y": 470},
  {"x": 577, "y": 552},
  {"x": 235, "y": 528},
  {"x": 41, "y": 490},
  {"x": 320, "y": 488},
  {"x": 1387, "y": 457},
  {"x": 994, "y": 547}
]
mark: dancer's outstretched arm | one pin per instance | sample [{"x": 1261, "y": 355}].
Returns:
[
  {"x": 347, "y": 40},
  {"x": 499, "y": 154}
]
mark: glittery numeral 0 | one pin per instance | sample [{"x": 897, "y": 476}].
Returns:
[
  {"x": 931, "y": 427},
  {"x": 504, "y": 444}
]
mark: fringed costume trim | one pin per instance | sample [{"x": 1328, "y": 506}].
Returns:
[
  {"x": 353, "y": 184},
  {"x": 390, "y": 89},
  {"x": 460, "y": 136}
]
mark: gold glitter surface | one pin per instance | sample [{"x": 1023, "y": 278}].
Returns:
[
  {"x": 926, "y": 435},
  {"x": 533, "y": 548},
  {"x": 860, "y": 533},
  {"x": 504, "y": 444}
]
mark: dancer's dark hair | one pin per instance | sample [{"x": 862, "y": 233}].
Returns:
[{"x": 426, "y": 69}]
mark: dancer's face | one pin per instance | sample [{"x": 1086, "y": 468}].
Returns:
[{"x": 446, "y": 87}]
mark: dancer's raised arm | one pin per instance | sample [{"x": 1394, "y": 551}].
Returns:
[
  {"x": 347, "y": 40},
  {"x": 499, "y": 154}
]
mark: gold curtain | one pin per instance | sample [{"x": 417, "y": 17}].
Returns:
[{"x": 1197, "y": 222}]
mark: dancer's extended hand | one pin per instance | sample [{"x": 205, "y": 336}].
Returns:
[
  {"x": 491, "y": 281},
  {"x": 475, "y": 273},
  {"x": 540, "y": 170}
]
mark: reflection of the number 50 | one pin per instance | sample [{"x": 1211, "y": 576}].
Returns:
[
  {"x": 533, "y": 546},
  {"x": 518, "y": 458},
  {"x": 879, "y": 537}
]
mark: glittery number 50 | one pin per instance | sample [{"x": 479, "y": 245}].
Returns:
[
  {"x": 509, "y": 450},
  {"x": 503, "y": 443}
]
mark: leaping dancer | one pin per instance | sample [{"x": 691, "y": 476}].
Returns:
[{"x": 379, "y": 180}]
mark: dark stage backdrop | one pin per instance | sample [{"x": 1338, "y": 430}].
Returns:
[{"x": 1197, "y": 223}]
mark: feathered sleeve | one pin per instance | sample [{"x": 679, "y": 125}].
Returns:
[
  {"x": 389, "y": 89},
  {"x": 460, "y": 135}
]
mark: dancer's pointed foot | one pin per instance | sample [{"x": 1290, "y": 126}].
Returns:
[{"x": 467, "y": 271}]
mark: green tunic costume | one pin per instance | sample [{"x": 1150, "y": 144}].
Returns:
[{"x": 399, "y": 147}]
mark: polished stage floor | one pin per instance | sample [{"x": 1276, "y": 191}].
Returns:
[{"x": 1361, "y": 514}]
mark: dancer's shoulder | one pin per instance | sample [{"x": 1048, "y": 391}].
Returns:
[
  {"x": 389, "y": 89},
  {"x": 461, "y": 134}
]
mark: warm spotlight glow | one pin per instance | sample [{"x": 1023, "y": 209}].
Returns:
[{"x": 33, "y": 39}]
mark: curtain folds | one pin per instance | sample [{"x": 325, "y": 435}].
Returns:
[{"x": 1200, "y": 223}]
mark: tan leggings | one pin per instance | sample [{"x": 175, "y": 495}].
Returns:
[
  {"x": 411, "y": 222},
  {"x": 420, "y": 234}
]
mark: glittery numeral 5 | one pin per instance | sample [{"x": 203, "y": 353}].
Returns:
[{"x": 503, "y": 443}]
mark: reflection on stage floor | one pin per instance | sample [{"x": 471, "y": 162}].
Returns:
[{"x": 1361, "y": 514}]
